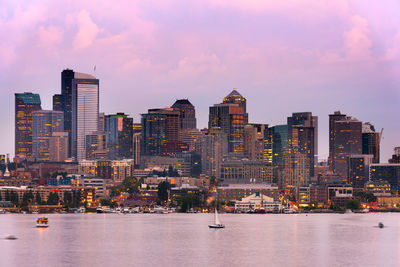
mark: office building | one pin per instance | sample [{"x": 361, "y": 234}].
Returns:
[
  {"x": 303, "y": 136},
  {"x": 45, "y": 122},
  {"x": 96, "y": 147},
  {"x": 396, "y": 156},
  {"x": 85, "y": 112},
  {"x": 230, "y": 117},
  {"x": 295, "y": 170},
  {"x": 254, "y": 135},
  {"x": 58, "y": 103},
  {"x": 243, "y": 171},
  {"x": 386, "y": 172},
  {"x": 58, "y": 146},
  {"x": 358, "y": 172},
  {"x": 25, "y": 105},
  {"x": 119, "y": 132},
  {"x": 212, "y": 147},
  {"x": 345, "y": 140},
  {"x": 187, "y": 113},
  {"x": 370, "y": 141}
]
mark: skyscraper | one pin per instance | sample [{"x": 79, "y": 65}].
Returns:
[
  {"x": 85, "y": 111},
  {"x": 58, "y": 146},
  {"x": 25, "y": 104},
  {"x": 236, "y": 98},
  {"x": 359, "y": 170},
  {"x": 187, "y": 113},
  {"x": 230, "y": 117},
  {"x": 119, "y": 132},
  {"x": 345, "y": 140},
  {"x": 370, "y": 141},
  {"x": 45, "y": 122},
  {"x": 308, "y": 135}
]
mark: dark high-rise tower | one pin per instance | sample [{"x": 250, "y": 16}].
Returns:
[
  {"x": 119, "y": 134},
  {"x": 303, "y": 135},
  {"x": 67, "y": 76},
  {"x": 187, "y": 113},
  {"x": 336, "y": 116},
  {"x": 370, "y": 141},
  {"x": 25, "y": 105},
  {"x": 346, "y": 141}
]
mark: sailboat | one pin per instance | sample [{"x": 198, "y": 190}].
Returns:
[{"x": 217, "y": 224}]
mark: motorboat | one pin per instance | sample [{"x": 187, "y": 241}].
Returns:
[
  {"x": 217, "y": 223},
  {"x": 42, "y": 222}
]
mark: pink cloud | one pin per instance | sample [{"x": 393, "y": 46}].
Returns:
[{"x": 88, "y": 30}]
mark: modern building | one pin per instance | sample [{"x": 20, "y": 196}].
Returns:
[
  {"x": 242, "y": 171},
  {"x": 396, "y": 156},
  {"x": 254, "y": 139},
  {"x": 85, "y": 112},
  {"x": 345, "y": 140},
  {"x": 25, "y": 105},
  {"x": 58, "y": 103},
  {"x": 386, "y": 172},
  {"x": 212, "y": 147},
  {"x": 119, "y": 136},
  {"x": 137, "y": 145},
  {"x": 45, "y": 123},
  {"x": 96, "y": 148},
  {"x": 187, "y": 113},
  {"x": 295, "y": 170},
  {"x": 303, "y": 134},
  {"x": 230, "y": 117},
  {"x": 58, "y": 146},
  {"x": 370, "y": 141},
  {"x": 358, "y": 172}
]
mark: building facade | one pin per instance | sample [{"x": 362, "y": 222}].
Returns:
[{"x": 25, "y": 105}]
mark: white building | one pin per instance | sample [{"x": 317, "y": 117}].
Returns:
[{"x": 257, "y": 202}]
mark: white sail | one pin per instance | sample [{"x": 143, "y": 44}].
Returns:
[{"x": 216, "y": 219}]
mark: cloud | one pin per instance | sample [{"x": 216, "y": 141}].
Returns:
[
  {"x": 88, "y": 30},
  {"x": 50, "y": 36},
  {"x": 393, "y": 52},
  {"x": 357, "y": 41}
]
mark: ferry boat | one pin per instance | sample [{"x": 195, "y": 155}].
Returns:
[{"x": 42, "y": 222}]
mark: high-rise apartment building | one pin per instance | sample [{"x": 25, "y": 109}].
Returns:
[
  {"x": 370, "y": 141},
  {"x": 396, "y": 156},
  {"x": 386, "y": 172},
  {"x": 45, "y": 122},
  {"x": 96, "y": 147},
  {"x": 119, "y": 132},
  {"x": 85, "y": 112},
  {"x": 187, "y": 113},
  {"x": 25, "y": 105},
  {"x": 345, "y": 140},
  {"x": 254, "y": 135}
]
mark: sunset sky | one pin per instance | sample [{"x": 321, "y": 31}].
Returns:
[{"x": 283, "y": 56}]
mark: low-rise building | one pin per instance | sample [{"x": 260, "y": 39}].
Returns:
[
  {"x": 257, "y": 202},
  {"x": 235, "y": 192}
]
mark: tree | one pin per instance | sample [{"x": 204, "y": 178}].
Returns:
[
  {"x": 67, "y": 198},
  {"x": 53, "y": 198},
  {"x": 38, "y": 198},
  {"x": 353, "y": 204},
  {"x": 189, "y": 201},
  {"x": 163, "y": 190}
]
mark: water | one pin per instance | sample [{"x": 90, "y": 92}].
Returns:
[{"x": 186, "y": 240}]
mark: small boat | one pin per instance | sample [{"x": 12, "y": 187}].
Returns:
[
  {"x": 380, "y": 225},
  {"x": 11, "y": 237},
  {"x": 99, "y": 209},
  {"x": 217, "y": 224},
  {"x": 42, "y": 222}
]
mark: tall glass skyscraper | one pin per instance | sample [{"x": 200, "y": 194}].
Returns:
[
  {"x": 25, "y": 105},
  {"x": 119, "y": 132},
  {"x": 85, "y": 112}
]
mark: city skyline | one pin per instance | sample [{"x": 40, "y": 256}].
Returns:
[{"x": 356, "y": 74}]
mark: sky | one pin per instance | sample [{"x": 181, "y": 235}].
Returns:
[{"x": 282, "y": 56}]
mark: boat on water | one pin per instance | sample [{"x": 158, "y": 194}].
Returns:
[
  {"x": 99, "y": 209},
  {"x": 42, "y": 222},
  {"x": 217, "y": 223}
]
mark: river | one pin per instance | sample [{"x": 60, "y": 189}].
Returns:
[{"x": 186, "y": 240}]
